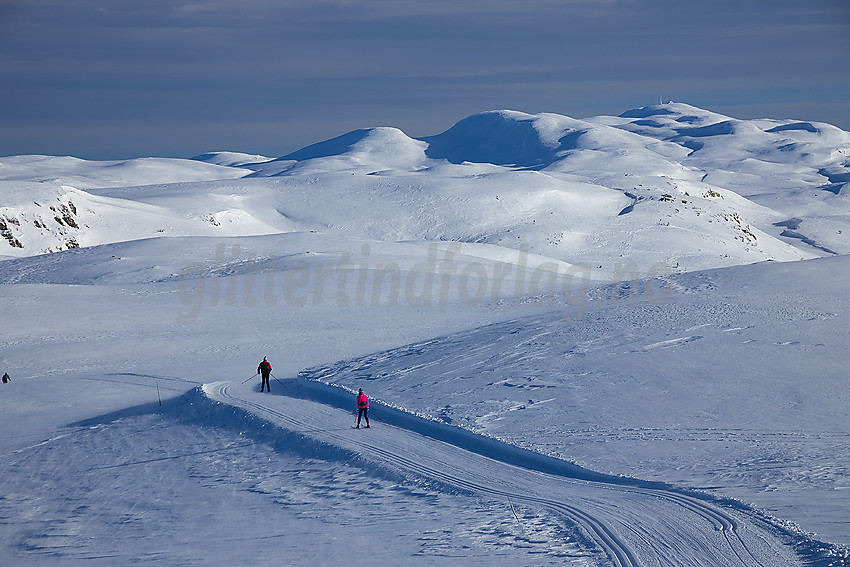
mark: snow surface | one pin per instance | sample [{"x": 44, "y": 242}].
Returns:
[{"x": 587, "y": 342}]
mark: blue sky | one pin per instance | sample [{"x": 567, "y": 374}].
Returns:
[{"x": 123, "y": 78}]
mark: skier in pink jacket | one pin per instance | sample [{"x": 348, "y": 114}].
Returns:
[{"x": 362, "y": 408}]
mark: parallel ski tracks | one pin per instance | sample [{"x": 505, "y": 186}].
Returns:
[
  {"x": 616, "y": 549},
  {"x": 613, "y": 545},
  {"x": 726, "y": 524}
]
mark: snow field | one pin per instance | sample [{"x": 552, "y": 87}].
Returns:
[{"x": 572, "y": 327}]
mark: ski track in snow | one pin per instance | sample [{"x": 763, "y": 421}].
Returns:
[
  {"x": 673, "y": 342},
  {"x": 634, "y": 525}
]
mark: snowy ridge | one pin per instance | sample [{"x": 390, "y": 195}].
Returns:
[{"x": 55, "y": 170}]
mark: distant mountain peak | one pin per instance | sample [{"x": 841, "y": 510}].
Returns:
[
  {"x": 362, "y": 140},
  {"x": 502, "y": 137},
  {"x": 676, "y": 110}
]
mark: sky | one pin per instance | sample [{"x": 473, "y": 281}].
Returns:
[{"x": 111, "y": 79}]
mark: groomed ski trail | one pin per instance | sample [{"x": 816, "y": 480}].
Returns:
[{"x": 633, "y": 526}]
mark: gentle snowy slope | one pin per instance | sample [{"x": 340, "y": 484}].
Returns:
[
  {"x": 50, "y": 203},
  {"x": 38, "y": 218},
  {"x": 649, "y": 388},
  {"x": 87, "y": 174},
  {"x": 736, "y": 381}
]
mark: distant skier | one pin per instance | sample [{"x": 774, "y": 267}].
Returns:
[
  {"x": 6, "y": 377},
  {"x": 265, "y": 368},
  {"x": 362, "y": 408}
]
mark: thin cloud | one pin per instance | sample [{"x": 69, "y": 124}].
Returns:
[{"x": 399, "y": 62}]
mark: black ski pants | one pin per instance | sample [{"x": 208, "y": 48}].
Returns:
[{"x": 362, "y": 412}]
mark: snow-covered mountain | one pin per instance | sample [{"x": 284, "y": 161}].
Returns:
[
  {"x": 575, "y": 349},
  {"x": 665, "y": 184}
]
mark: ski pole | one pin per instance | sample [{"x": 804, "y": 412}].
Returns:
[
  {"x": 375, "y": 416},
  {"x": 279, "y": 382},
  {"x": 251, "y": 377}
]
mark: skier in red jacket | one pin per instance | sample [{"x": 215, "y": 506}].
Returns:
[
  {"x": 362, "y": 408},
  {"x": 265, "y": 368}
]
